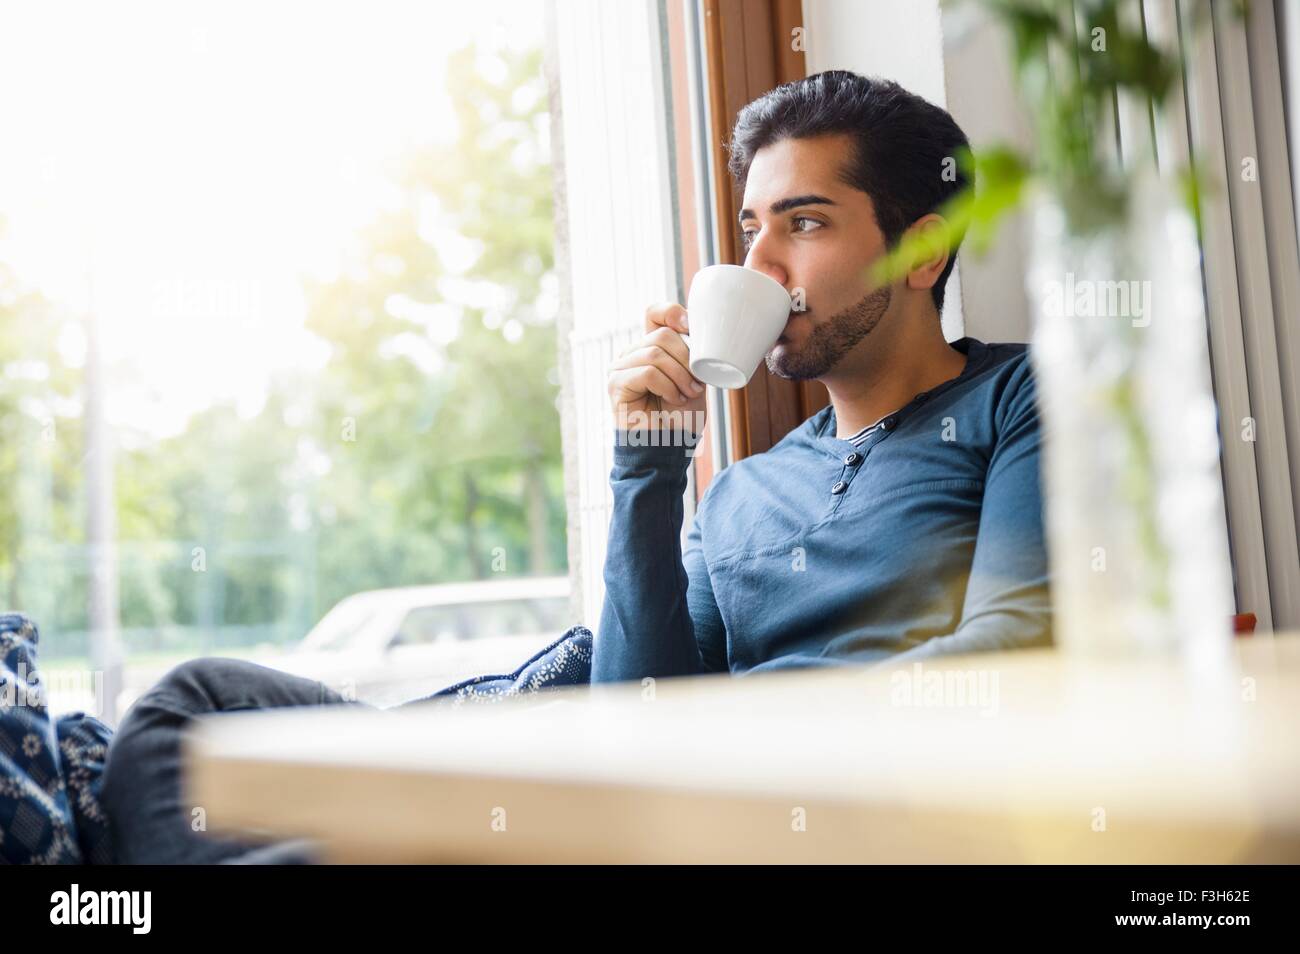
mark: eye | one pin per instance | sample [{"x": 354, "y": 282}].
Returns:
[{"x": 749, "y": 234}]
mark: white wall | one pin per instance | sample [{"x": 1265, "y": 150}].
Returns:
[
  {"x": 901, "y": 41},
  {"x": 982, "y": 99}
]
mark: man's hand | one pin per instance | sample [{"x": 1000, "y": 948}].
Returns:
[{"x": 650, "y": 384}]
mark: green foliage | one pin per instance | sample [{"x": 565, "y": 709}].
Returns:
[
  {"x": 465, "y": 460},
  {"x": 1072, "y": 60},
  {"x": 971, "y": 216},
  {"x": 426, "y": 449},
  {"x": 40, "y": 425}
]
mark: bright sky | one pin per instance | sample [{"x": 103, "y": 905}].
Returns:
[{"x": 188, "y": 161}]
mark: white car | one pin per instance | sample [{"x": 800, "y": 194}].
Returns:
[{"x": 390, "y": 646}]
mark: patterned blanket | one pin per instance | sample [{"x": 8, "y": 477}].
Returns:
[{"x": 51, "y": 768}]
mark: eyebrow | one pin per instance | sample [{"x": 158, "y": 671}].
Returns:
[{"x": 785, "y": 205}]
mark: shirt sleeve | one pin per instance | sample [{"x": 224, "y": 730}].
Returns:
[
  {"x": 646, "y": 626},
  {"x": 710, "y": 631},
  {"x": 1008, "y": 599}
]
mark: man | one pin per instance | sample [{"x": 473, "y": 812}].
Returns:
[{"x": 902, "y": 521}]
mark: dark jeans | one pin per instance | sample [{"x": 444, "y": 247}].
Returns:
[{"x": 141, "y": 793}]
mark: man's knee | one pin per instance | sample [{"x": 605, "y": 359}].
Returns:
[
  {"x": 198, "y": 683},
  {"x": 207, "y": 670},
  {"x": 214, "y": 683},
  {"x": 189, "y": 688}
]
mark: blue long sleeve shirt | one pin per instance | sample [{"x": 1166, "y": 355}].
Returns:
[{"x": 923, "y": 536}]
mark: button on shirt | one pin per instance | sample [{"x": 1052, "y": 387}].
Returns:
[
  {"x": 919, "y": 535},
  {"x": 866, "y": 432}
]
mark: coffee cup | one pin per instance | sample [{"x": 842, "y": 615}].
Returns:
[{"x": 736, "y": 314}]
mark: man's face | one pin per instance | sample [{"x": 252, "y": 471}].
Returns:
[{"x": 824, "y": 244}]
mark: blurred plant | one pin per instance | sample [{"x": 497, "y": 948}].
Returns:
[
  {"x": 1075, "y": 63},
  {"x": 1073, "y": 59}
]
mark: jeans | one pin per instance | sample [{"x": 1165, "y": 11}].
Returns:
[
  {"x": 141, "y": 782},
  {"x": 141, "y": 793}
]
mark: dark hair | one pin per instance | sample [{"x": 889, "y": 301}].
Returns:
[{"x": 901, "y": 142}]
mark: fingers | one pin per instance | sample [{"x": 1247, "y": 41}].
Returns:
[
  {"x": 671, "y": 366},
  {"x": 658, "y": 364},
  {"x": 667, "y": 314},
  {"x": 670, "y": 341},
  {"x": 630, "y": 384}
]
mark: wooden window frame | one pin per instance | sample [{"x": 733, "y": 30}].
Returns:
[{"x": 749, "y": 50}]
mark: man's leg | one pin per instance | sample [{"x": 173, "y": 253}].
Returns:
[{"x": 141, "y": 792}]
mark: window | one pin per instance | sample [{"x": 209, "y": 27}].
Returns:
[
  {"x": 293, "y": 342},
  {"x": 523, "y": 617},
  {"x": 342, "y": 625},
  {"x": 432, "y": 624}
]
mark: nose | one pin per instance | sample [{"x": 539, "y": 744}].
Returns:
[{"x": 770, "y": 269}]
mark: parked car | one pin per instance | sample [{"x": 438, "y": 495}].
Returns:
[{"x": 394, "y": 645}]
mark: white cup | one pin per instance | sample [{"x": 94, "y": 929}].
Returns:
[{"x": 735, "y": 315}]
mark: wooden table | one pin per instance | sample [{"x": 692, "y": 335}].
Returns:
[{"x": 1019, "y": 757}]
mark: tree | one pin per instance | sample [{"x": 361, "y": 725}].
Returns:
[{"x": 446, "y": 369}]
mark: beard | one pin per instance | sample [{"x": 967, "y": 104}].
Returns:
[{"x": 830, "y": 341}]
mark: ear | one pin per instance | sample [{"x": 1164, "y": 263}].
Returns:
[{"x": 933, "y": 230}]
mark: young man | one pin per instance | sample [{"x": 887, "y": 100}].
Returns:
[{"x": 902, "y": 521}]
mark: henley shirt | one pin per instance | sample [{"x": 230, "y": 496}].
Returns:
[{"x": 920, "y": 535}]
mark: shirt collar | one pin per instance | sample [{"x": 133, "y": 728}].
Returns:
[{"x": 977, "y": 353}]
